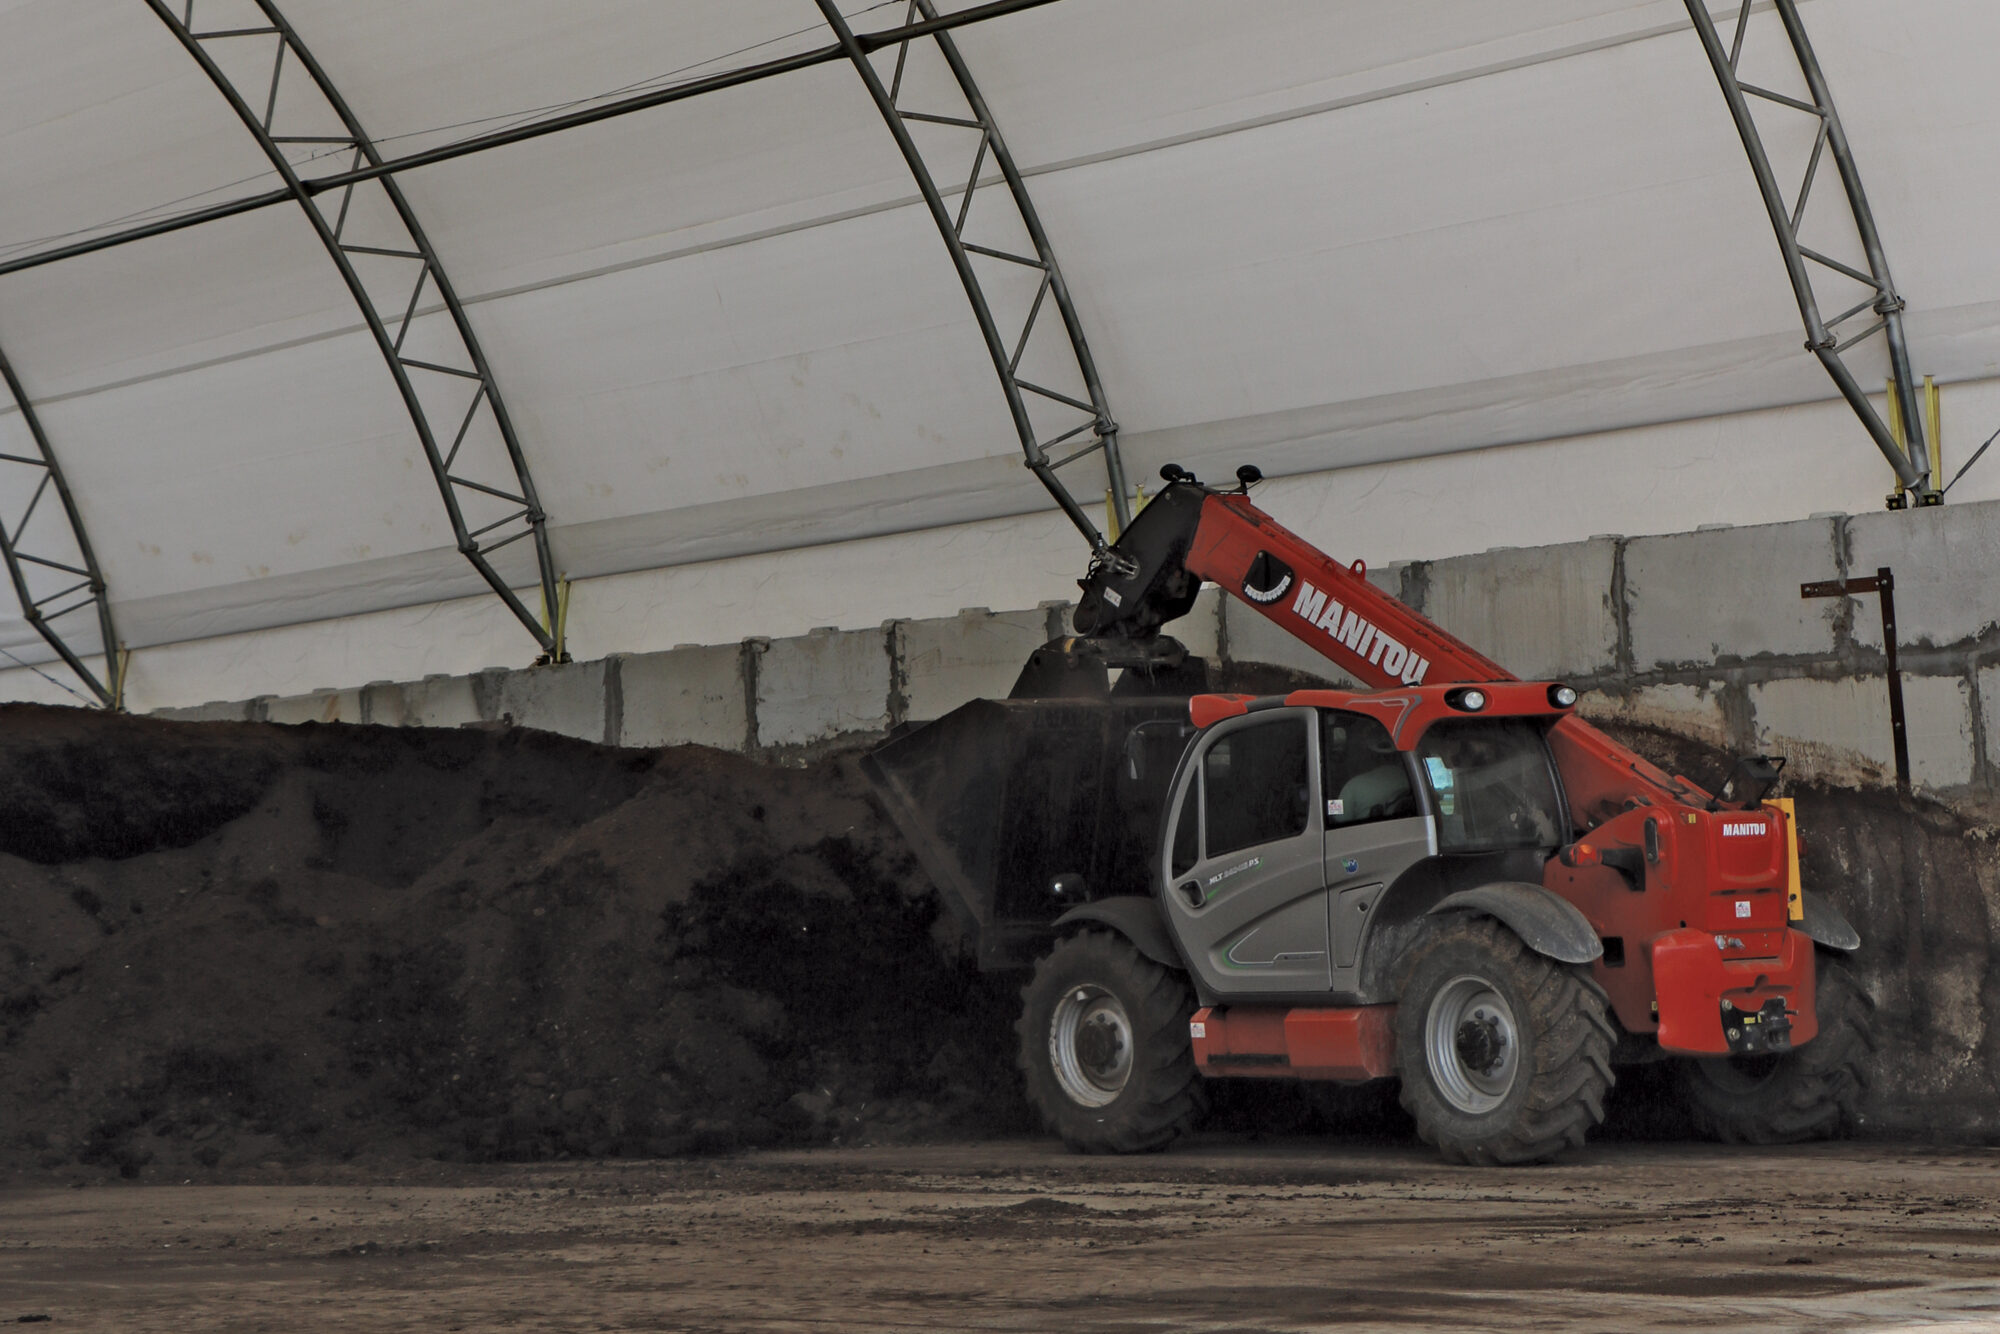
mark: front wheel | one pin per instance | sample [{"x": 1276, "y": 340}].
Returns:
[
  {"x": 1505, "y": 1055},
  {"x": 1104, "y": 1047},
  {"x": 1812, "y": 1092}
]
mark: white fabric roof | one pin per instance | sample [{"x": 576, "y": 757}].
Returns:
[{"x": 1300, "y": 233}]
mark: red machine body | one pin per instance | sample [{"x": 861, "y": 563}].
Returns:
[
  {"x": 1350, "y": 1044},
  {"x": 1698, "y": 939}
]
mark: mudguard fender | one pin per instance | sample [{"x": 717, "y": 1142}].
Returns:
[
  {"x": 1545, "y": 922},
  {"x": 1825, "y": 925},
  {"x": 1136, "y": 918}
]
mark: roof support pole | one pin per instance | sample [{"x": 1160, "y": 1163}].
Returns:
[
  {"x": 984, "y": 141},
  {"x": 507, "y": 510},
  {"x": 68, "y": 585},
  {"x": 1911, "y": 460}
]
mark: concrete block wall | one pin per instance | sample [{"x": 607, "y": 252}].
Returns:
[
  {"x": 1538, "y": 611},
  {"x": 816, "y": 688},
  {"x": 975, "y": 655},
  {"x": 692, "y": 694},
  {"x": 777, "y": 698},
  {"x": 1706, "y": 633},
  {"x": 1702, "y": 632}
]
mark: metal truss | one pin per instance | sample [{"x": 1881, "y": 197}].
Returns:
[
  {"x": 969, "y": 135},
  {"x": 511, "y": 508},
  {"x": 533, "y": 129},
  {"x": 32, "y": 557},
  {"x": 1803, "y": 263},
  {"x": 54, "y": 578},
  {"x": 475, "y": 457}
]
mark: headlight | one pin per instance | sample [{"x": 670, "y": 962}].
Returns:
[
  {"x": 1470, "y": 700},
  {"x": 1563, "y": 697}
]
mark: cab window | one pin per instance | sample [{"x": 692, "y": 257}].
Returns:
[
  {"x": 1365, "y": 777},
  {"x": 1491, "y": 785},
  {"x": 1257, "y": 785}
]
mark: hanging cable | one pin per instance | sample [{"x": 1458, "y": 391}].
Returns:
[
  {"x": 1969, "y": 462},
  {"x": 44, "y": 675}
]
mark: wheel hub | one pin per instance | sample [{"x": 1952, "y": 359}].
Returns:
[
  {"x": 1480, "y": 1043},
  {"x": 1099, "y": 1045},
  {"x": 1472, "y": 1044},
  {"x": 1090, "y": 1045}
]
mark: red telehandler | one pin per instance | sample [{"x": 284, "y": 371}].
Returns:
[{"x": 1446, "y": 877}]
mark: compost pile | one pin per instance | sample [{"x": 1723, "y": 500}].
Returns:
[
  {"x": 228, "y": 944},
  {"x": 1920, "y": 881}
]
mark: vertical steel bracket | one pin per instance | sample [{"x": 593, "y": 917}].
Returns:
[
  {"x": 1882, "y": 583},
  {"x": 1823, "y": 337},
  {"x": 77, "y": 584},
  {"x": 977, "y": 119},
  {"x": 466, "y": 366}
]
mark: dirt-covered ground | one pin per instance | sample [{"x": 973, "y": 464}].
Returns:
[{"x": 1015, "y": 1235}]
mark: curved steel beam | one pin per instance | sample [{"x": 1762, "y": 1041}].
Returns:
[
  {"x": 521, "y": 133},
  {"x": 524, "y": 516},
  {"x": 77, "y": 586},
  {"x": 1823, "y": 337},
  {"x": 1006, "y": 354}
]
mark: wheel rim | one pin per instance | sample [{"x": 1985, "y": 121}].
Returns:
[
  {"x": 1472, "y": 1044},
  {"x": 1090, "y": 1045}
]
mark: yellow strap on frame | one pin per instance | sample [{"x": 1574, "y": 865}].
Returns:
[
  {"x": 1794, "y": 902},
  {"x": 1934, "y": 429}
]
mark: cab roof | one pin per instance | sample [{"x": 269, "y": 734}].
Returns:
[{"x": 1407, "y": 713}]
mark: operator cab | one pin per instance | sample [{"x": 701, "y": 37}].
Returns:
[{"x": 1296, "y": 824}]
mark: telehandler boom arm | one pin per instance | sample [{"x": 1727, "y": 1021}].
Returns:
[
  {"x": 1190, "y": 533},
  {"x": 1703, "y": 862}
]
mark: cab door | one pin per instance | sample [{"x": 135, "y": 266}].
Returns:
[
  {"x": 1376, "y": 828},
  {"x": 1244, "y": 861}
]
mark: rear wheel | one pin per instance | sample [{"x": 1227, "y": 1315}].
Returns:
[
  {"x": 1104, "y": 1047},
  {"x": 1809, "y": 1093},
  {"x": 1505, "y": 1056}
]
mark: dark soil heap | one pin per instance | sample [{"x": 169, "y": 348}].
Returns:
[
  {"x": 1921, "y": 882},
  {"x": 224, "y": 944},
  {"x": 227, "y": 944}
]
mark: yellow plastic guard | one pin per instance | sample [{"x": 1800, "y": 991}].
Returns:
[
  {"x": 1792, "y": 899},
  {"x": 1934, "y": 423}
]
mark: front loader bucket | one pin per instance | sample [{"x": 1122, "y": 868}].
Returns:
[{"x": 1000, "y": 797}]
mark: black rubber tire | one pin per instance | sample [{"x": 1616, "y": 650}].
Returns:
[
  {"x": 1561, "y": 1070},
  {"x": 1162, "y": 1096},
  {"x": 1812, "y": 1092}
]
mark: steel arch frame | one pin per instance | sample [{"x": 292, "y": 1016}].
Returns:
[
  {"x": 301, "y": 190},
  {"x": 529, "y": 516},
  {"x": 521, "y": 133},
  {"x": 1006, "y": 361},
  {"x": 1912, "y": 462},
  {"x": 89, "y": 577},
  {"x": 1911, "y": 467}
]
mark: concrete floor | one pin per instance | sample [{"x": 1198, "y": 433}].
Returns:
[{"x": 1291, "y": 1235}]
